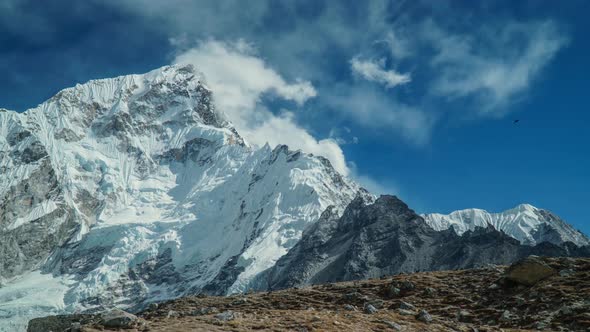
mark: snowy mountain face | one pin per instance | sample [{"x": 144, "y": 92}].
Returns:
[
  {"x": 526, "y": 223},
  {"x": 134, "y": 189}
]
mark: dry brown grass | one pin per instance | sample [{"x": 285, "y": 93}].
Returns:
[{"x": 563, "y": 299}]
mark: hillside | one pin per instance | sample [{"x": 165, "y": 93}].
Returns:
[{"x": 495, "y": 298}]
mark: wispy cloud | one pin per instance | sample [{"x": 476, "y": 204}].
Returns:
[
  {"x": 374, "y": 71},
  {"x": 375, "y": 109},
  {"x": 494, "y": 65}
]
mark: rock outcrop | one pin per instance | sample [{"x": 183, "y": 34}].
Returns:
[{"x": 529, "y": 271}]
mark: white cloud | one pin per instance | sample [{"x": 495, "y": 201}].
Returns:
[
  {"x": 238, "y": 79},
  {"x": 374, "y": 71},
  {"x": 495, "y": 65},
  {"x": 283, "y": 130}
]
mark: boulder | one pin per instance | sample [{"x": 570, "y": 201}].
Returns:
[
  {"x": 407, "y": 286},
  {"x": 226, "y": 316},
  {"x": 377, "y": 303},
  {"x": 393, "y": 291},
  {"x": 506, "y": 316},
  {"x": 429, "y": 292},
  {"x": 464, "y": 316},
  {"x": 349, "y": 307},
  {"x": 529, "y": 271},
  {"x": 406, "y": 306},
  {"x": 75, "y": 327},
  {"x": 59, "y": 323},
  {"x": 370, "y": 309},
  {"x": 117, "y": 318},
  {"x": 173, "y": 314},
  {"x": 406, "y": 312},
  {"x": 392, "y": 325},
  {"x": 204, "y": 311},
  {"x": 424, "y": 316}
]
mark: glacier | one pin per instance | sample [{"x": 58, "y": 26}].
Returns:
[{"x": 133, "y": 189}]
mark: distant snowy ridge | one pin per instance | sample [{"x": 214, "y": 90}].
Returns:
[{"x": 526, "y": 223}]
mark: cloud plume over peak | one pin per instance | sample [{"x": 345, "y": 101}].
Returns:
[{"x": 239, "y": 79}]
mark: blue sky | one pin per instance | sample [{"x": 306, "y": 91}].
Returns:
[{"x": 415, "y": 98}]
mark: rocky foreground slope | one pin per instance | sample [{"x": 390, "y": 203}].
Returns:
[{"x": 534, "y": 294}]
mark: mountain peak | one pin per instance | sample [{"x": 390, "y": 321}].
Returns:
[
  {"x": 523, "y": 207},
  {"x": 140, "y": 185}
]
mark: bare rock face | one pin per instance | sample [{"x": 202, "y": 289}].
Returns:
[{"x": 529, "y": 271}]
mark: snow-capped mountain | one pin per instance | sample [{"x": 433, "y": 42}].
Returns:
[
  {"x": 133, "y": 188},
  {"x": 526, "y": 223}
]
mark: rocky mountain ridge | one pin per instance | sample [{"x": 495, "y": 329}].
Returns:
[{"x": 386, "y": 237}]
